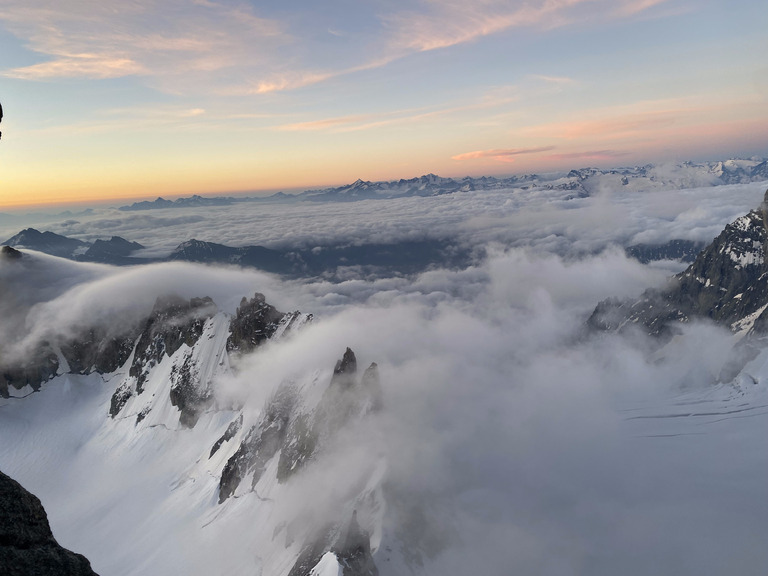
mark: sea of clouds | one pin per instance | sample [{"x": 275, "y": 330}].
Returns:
[{"x": 508, "y": 429}]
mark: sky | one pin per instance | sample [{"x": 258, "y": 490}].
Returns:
[{"x": 132, "y": 99}]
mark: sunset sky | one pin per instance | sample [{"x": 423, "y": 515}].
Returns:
[{"x": 140, "y": 98}]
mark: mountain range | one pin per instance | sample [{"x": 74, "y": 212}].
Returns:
[
  {"x": 582, "y": 182},
  {"x": 405, "y": 257},
  {"x": 162, "y": 386}
]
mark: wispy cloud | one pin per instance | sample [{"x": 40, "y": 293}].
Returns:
[
  {"x": 441, "y": 24},
  {"x": 355, "y": 122},
  {"x": 90, "y": 39},
  {"x": 637, "y": 6},
  {"x": 79, "y": 65},
  {"x": 198, "y": 39},
  {"x": 611, "y": 126},
  {"x": 502, "y": 155}
]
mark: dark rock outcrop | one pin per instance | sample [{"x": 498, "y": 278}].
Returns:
[
  {"x": 297, "y": 436},
  {"x": 37, "y": 367},
  {"x": 344, "y": 400},
  {"x": 254, "y": 322},
  {"x": 173, "y": 322},
  {"x": 725, "y": 283},
  {"x": 27, "y": 545},
  {"x": 119, "y": 399},
  {"x": 260, "y": 444},
  {"x": 229, "y": 433},
  {"x": 354, "y": 551},
  {"x": 188, "y": 393},
  {"x": 350, "y": 544},
  {"x": 8, "y": 253},
  {"x": 685, "y": 250},
  {"x": 94, "y": 351}
]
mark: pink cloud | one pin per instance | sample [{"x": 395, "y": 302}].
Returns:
[{"x": 502, "y": 155}]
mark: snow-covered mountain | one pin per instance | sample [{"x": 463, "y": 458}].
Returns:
[
  {"x": 164, "y": 374},
  {"x": 581, "y": 182},
  {"x": 201, "y": 450},
  {"x": 726, "y": 283}
]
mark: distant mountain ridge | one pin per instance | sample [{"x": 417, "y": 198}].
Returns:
[
  {"x": 116, "y": 250},
  {"x": 583, "y": 182},
  {"x": 407, "y": 256}
]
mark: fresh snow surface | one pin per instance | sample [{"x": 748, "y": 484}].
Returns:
[
  {"x": 328, "y": 566},
  {"x": 143, "y": 500}
]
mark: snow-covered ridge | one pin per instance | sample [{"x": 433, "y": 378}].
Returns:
[{"x": 583, "y": 181}]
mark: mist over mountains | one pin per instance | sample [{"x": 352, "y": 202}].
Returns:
[
  {"x": 655, "y": 216},
  {"x": 515, "y": 380}
]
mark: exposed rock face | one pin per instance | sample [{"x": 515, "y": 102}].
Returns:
[
  {"x": 345, "y": 399},
  {"x": 254, "y": 322},
  {"x": 260, "y": 444},
  {"x": 344, "y": 371},
  {"x": 119, "y": 399},
  {"x": 27, "y": 545},
  {"x": 685, "y": 250},
  {"x": 94, "y": 351},
  {"x": 297, "y": 435},
  {"x": 725, "y": 283},
  {"x": 351, "y": 546},
  {"x": 9, "y": 253},
  {"x": 40, "y": 366},
  {"x": 188, "y": 393},
  {"x": 354, "y": 551},
  {"x": 173, "y": 322},
  {"x": 229, "y": 433}
]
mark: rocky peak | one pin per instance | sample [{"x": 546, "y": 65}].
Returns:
[
  {"x": 48, "y": 242},
  {"x": 345, "y": 370},
  {"x": 337, "y": 549},
  {"x": 8, "y": 253},
  {"x": 255, "y": 321},
  {"x": 173, "y": 322},
  {"x": 296, "y": 434},
  {"x": 726, "y": 283}
]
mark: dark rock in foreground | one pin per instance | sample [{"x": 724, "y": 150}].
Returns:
[{"x": 27, "y": 545}]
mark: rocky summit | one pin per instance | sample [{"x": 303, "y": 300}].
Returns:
[{"x": 726, "y": 283}]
